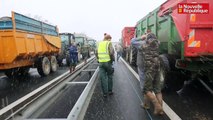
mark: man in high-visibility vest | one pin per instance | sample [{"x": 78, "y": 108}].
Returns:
[{"x": 105, "y": 56}]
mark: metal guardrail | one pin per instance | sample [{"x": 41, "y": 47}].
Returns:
[
  {"x": 80, "y": 107},
  {"x": 15, "y": 107}
]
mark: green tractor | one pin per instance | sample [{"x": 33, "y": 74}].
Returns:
[
  {"x": 66, "y": 40},
  {"x": 92, "y": 45},
  {"x": 84, "y": 46}
]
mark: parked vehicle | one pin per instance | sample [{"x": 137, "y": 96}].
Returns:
[
  {"x": 84, "y": 46},
  {"x": 130, "y": 52},
  {"x": 80, "y": 40},
  {"x": 66, "y": 40},
  {"x": 93, "y": 46},
  {"x": 25, "y": 43},
  {"x": 186, "y": 41}
]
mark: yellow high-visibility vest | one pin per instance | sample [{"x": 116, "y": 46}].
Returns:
[{"x": 103, "y": 51}]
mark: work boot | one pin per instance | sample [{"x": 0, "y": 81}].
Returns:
[
  {"x": 160, "y": 100},
  {"x": 146, "y": 103},
  {"x": 110, "y": 93},
  {"x": 157, "y": 107},
  {"x": 73, "y": 69},
  {"x": 105, "y": 95},
  {"x": 70, "y": 70}
]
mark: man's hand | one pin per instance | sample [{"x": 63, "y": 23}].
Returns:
[{"x": 143, "y": 37}]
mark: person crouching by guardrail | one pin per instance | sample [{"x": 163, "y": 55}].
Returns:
[
  {"x": 104, "y": 56},
  {"x": 73, "y": 57}
]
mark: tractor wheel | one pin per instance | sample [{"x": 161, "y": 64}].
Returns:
[
  {"x": 127, "y": 52},
  {"x": 43, "y": 66},
  {"x": 24, "y": 71},
  {"x": 171, "y": 80},
  {"x": 164, "y": 70},
  {"x": 17, "y": 72},
  {"x": 133, "y": 56},
  {"x": 10, "y": 73},
  {"x": 53, "y": 63}
]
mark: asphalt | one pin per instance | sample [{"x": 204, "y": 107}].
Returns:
[
  {"x": 66, "y": 98},
  {"x": 62, "y": 106},
  {"x": 192, "y": 102},
  {"x": 124, "y": 104},
  {"x": 13, "y": 89}
]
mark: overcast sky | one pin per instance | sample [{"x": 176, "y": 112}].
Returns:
[{"x": 92, "y": 17}]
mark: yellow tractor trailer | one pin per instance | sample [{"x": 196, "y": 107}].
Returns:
[{"x": 26, "y": 43}]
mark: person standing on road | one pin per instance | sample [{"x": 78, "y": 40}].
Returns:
[
  {"x": 137, "y": 43},
  {"x": 73, "y": 57},
  {"x": 119, "y": 51},
  {"x": 85, "y": 52},
  {"x": 152, "y": 83},
  {"x": 105, "y": 51}
]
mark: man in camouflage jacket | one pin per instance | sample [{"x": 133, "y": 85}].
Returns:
[{"x": 150, "y": 51}]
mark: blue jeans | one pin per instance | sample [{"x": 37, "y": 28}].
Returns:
[
  {"x": 119, "y": 54},
  {"x": 141, "y": 76}
]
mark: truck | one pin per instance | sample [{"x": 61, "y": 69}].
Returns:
[
  {"x": 25, "y": 43},
  {"x": 130, "y": 52},
  {"x": 186, "y": 42}
]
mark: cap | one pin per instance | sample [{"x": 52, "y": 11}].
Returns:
[{"x": 107, "y": 37}]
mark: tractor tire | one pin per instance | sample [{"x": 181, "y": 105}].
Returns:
[
  {"x": 133, "y": 56},
  {"x": 60, "y": 60},
  {"x": 17, "y": 72},
  {"x": 43, "y": 66},
  {"x": 170, "y": 80},
  {"x": 127, "y": 52},
  {"x": 164, "y": 70},
  {"x": 10, "y": 73},
  {"x": 23, "y": 71},
  {"x": 53, "y": 62}
]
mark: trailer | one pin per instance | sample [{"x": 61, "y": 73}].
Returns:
[
  {"x": 25, "y": 43},
  {"x": 130, "y": 53},
  {"x": 186, "y": 41}
]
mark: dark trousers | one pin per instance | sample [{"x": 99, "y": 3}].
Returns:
[{"x": 105, "y": 71}]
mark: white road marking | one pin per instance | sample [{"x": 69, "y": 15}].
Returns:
[{"x": 169, "y": 112}]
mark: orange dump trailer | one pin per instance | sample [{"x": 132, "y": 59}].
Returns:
[{"x": 25, "y": 43}]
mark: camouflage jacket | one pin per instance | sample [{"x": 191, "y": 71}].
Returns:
[{"x": 150, "y": 51}]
